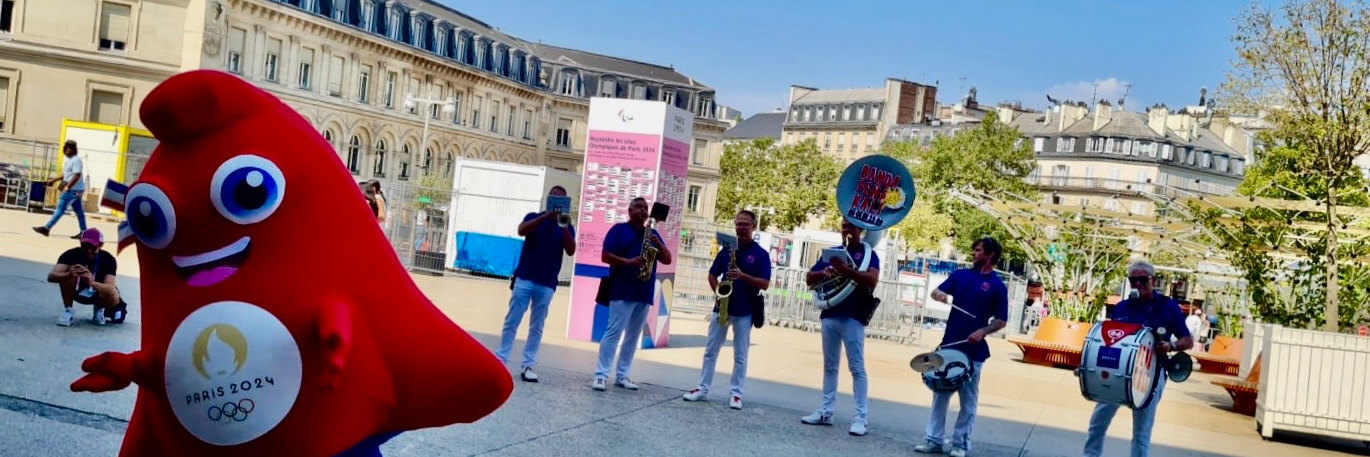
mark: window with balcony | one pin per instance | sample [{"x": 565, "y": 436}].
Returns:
[{"x": 1060, "y": 175}]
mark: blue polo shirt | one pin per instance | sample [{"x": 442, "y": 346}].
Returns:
[
  {"x": 848, "y": 307},
  {"x": 540, "y": 260},
  {"x": 753, "y": 261},
  {"x": 1159, "y": 312},
  {"x": 983, "y": 295},
  {"x": 625, "y": 241}
]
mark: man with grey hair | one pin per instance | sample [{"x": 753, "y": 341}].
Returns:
[{"x": 1150, "y": 309}]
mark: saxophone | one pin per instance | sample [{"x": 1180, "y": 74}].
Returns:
[
  {"x": 648, "y": 253},
  {"x": 725, "y": 287}
]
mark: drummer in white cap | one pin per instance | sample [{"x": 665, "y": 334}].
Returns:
[
  {"x": 1156, "y": 311},
  {"x": 981, "y": 308}
]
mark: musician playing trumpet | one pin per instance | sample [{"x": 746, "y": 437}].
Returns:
[
  {"x": 842, "y": 326},
  {"x": 746, "y": 269},
  {"x": 630, "y": 293},
  {"x": 535, "y": 280},
  {"x": 1153, "y": 310}
]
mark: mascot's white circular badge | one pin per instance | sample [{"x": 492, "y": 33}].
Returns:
[{"x": 232, "y": 372}]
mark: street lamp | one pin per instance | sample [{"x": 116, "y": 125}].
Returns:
[{"x": 449, "y": 107}]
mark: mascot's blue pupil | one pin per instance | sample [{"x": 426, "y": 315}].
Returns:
[
  {"x": 248, "y": 189},
  {"x": 146, "y": 218}
]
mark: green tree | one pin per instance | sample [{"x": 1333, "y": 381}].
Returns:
[
  {"x": 989, "y": 158},
  {"x": 796, "y": 181},
  {"x": 1306, "y": 67}
]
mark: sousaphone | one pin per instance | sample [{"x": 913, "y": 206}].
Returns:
[{"x": 874, "y": 193}]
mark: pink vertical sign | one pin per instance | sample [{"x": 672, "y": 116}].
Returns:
[{"x": 625, "y": 158}]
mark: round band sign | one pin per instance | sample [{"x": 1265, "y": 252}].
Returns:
[{"x": 875, "y": 192}]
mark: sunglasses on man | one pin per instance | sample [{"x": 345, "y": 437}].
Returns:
[{"x": 1138, "y": 280}]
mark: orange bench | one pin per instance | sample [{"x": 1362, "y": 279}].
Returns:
[
  {"x": 1222, "y": 357},
  {"x": 1243, "y": 391},
  {"x": 1056, "y": 343}
]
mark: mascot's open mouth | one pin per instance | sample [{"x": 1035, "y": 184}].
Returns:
[{"x": 210, "y": 268}]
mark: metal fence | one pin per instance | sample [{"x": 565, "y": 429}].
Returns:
[
  {"x": 22, "y": 163},
  {"x": 416, "y": 225}
]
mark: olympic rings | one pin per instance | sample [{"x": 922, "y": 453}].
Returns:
[{"x": 235, "y": 411}]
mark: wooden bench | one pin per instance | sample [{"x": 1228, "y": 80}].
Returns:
[
  {"x": 1216, "y": 364},
  {"x": 1223, "y": 356},
  {"x": 1243, "y": 391},
  {"x": 1039, "y": 352},
  {"x": 1056, "y": 343}
]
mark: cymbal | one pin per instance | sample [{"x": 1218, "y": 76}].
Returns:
[{"x": 926, "y": 362}]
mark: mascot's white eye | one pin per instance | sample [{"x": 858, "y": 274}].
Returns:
[
  {"x": 247, "y": 189},
  {"x": 150, "y": 215}
]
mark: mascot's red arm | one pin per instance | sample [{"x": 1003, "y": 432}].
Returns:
[
  {"x": 335, "y": 340},
  {"x": 112, "y": 371}
]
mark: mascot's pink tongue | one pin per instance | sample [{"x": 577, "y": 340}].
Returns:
[{"x": 211, "y": 276}]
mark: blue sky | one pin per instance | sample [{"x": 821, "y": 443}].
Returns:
[{"x": 752, "y": 51}]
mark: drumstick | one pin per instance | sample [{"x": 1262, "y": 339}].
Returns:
[
  {"x": 953, "y": 344},
  {"x": 958, "y": 308}
]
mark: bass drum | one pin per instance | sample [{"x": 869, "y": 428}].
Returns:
[{"x": 1119, "y": 365}]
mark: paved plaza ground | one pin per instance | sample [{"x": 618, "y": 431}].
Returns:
[{"x": 1025, "y": 410}]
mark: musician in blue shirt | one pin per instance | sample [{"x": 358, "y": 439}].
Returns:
[
  {"x": 981, "y": 308},
  {"x": 751, "y": 276},
  {"x": 535, "y": 280},
  {"x": 842, "y": 327},
  {"x": 1149, "y": 309},
  {"x": 629, "y": 296}
]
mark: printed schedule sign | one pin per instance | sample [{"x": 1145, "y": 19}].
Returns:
[{"x": 635, "y": 148}]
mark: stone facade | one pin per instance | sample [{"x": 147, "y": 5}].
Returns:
[{"x": 348, "y": 66}]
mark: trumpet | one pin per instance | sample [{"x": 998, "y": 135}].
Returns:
[
  {"x": 648, "y": 253},
  {"x": 725, "y": 287},
  {"x": 563, "y": 219}
]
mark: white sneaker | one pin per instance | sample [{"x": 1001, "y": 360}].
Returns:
[
  {"x": 817, "y": 418},
  {"x": 599, "y": 384},
  {"x": 735, "y": 403},
  {"x": 695, "y": 395},
  {"x": 528, "y": 375},
  {"x": 65, "y": 319},
  {"x": 626, "y": 384},
  {"x": 98, "y": 317},
  {"x": 928, "y": 448},
  {"x": 858, "y": 427},
  {"x": 957, "y": 452}
]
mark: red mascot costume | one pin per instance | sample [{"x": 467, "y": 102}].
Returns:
[{"x": 274, "y": 322}]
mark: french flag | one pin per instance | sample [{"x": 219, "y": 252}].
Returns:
[{"x": 114, "y": 195}]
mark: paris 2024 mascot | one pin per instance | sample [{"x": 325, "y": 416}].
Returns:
[{"x": 276, "y": 318}]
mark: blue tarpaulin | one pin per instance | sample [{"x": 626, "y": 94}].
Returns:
[{"x": 489, "y": 254}]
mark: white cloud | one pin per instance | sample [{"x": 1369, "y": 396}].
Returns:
[{"x": 1110, "y": 89}]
